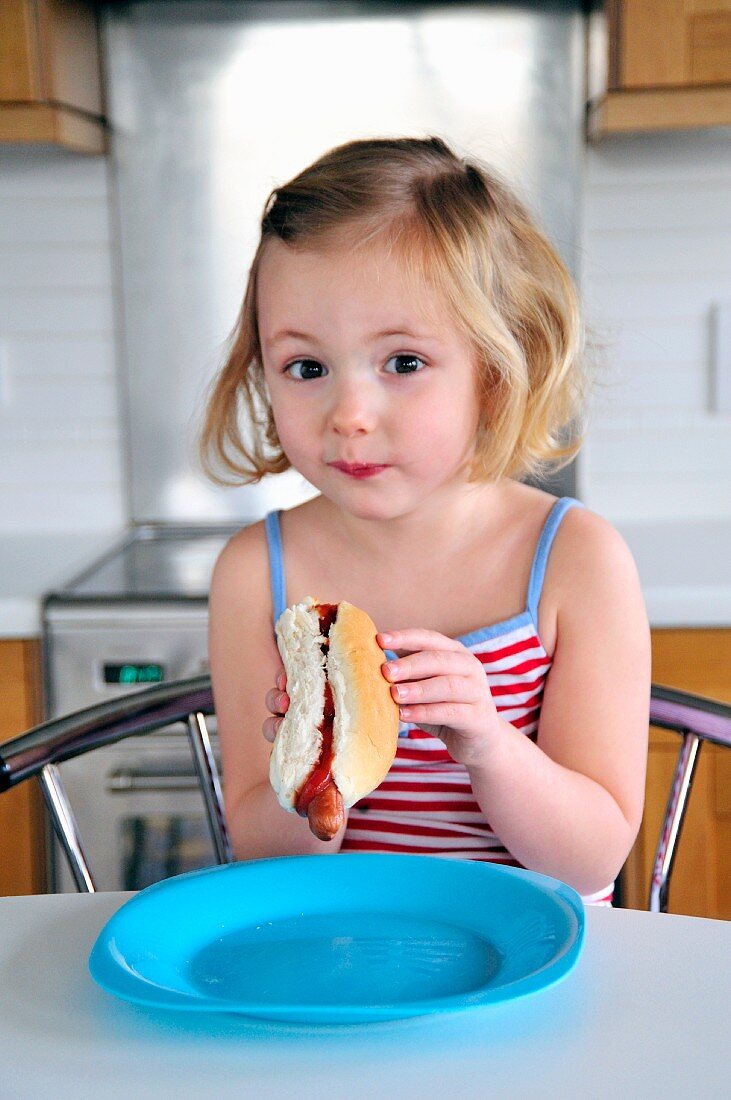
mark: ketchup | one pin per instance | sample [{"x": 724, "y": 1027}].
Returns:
[
  {"x": 321, "y": 775},
  {"x": 328, "y": 613}
]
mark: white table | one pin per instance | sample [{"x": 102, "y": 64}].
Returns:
[{"x": 645, "y": 1014}]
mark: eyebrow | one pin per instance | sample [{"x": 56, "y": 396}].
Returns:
[{"x": 291, "y": 334}]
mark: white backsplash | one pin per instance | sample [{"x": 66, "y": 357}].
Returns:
[
  {"x": 656, "y": 233},
  {"x": 656, "y": 260},
  {"x": 61, "y": 464}
]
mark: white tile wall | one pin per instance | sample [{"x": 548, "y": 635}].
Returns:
[
  {"x": 61, "y": 465},
  {"x": 656, "y": 232},
  {"x": 656, "y": 259}
]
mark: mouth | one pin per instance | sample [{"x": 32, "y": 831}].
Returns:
[{"x": 358, "y": 469}]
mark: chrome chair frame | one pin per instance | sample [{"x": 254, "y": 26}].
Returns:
[
  {"x": 39, "y": 751},
  {"x": 696, "y": 719}
]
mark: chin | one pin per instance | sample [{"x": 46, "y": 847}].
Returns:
[
  {"x": 380, "y": 507},
  {"x": 373, "y": 513},
  {"x": 365, "y": 500}
]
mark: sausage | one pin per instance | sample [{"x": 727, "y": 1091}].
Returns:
[{"x": 326, "y": 813}]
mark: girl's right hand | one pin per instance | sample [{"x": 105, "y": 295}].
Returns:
[{"x": 277, "y": 702}]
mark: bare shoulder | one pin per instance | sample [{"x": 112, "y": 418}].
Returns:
[
  {"x": 592, "y": 579},
  {"x": 241, "y": 579},
  {"x": 240, "y": 606},
  {"x": 244, "y": 553},
  {"x": 588, "y": 549}
]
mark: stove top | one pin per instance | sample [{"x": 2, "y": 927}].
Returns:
[{"x": 151, "y": 563}]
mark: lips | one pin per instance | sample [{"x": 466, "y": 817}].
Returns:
[{"x": 358, "y": 469}]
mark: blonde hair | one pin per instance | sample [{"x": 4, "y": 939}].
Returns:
[{"x": 459, "y": 230}]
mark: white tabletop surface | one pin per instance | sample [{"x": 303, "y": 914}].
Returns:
[{"x": 644, "y": 1014}]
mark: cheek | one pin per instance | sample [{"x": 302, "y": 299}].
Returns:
[
  {"x": 445, "y": 424},
  {"x": 290, "y": 431},
  {"x": 297, "y": 430}
]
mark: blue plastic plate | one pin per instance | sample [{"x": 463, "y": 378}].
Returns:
[{"x": 341, "y": 939}]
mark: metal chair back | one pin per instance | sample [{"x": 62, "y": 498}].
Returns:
[
  {"x": 696, "y": 719},
  {"x": 39, "y": 752}
]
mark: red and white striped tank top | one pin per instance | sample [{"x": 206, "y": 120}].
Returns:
[{"x": 426, "y": 804}]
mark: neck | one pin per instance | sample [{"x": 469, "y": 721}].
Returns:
[{"x": 444, "y": 523}]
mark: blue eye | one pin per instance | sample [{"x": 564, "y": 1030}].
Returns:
[
  {"x": 405, "y": 364},
  {"x": 305, "y": 369}
]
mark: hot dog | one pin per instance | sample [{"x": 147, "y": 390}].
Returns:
[{"x": 338, "y": 738}]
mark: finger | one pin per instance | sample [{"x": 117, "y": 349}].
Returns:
[
  {"x": 409, "y": 641},
  {"x": 281, "y": 680},
  {"x": 438, "y": 689},
  {"x": 270, "y": 728},
  {"x": 277, "y": 701},
  {"x": 451, "y": 715},
  {"x": 426, "y": 663}
]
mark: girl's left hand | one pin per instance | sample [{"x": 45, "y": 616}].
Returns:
[{"x": 441, "y": 686}]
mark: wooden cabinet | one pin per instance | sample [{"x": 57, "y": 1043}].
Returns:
[
  {"x": 22, "y": 829},
  {"x": 698, "y": 661},
  {"x": 50, "y": 82},
  {"x": 659, "y": 65}
]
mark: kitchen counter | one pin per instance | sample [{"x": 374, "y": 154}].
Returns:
[
  {"x": 685, "y": 569},
  {"x": 32, "y": 563}
]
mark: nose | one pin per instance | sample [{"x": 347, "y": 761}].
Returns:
[{"x": 354, "y": 408}]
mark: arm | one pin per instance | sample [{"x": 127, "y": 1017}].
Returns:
[
  {"x": 569, "y": 805},
  {"x": 244, "y": 665}
]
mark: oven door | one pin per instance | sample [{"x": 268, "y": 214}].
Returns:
[{"x": 140, "y": 813}]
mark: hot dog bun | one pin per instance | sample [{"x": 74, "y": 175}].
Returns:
[{"x": 365, "y": 723}]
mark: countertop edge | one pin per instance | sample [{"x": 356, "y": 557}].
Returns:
[
  {"x": 36, "y": 563},
  {"x": 669, "y": 608}
]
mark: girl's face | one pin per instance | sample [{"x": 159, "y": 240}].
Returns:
[{"x": 373, "y": 390}]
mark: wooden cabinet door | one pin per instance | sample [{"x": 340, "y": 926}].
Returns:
[
  {"x": 651, "y": 43},
  {"x": 673, "y": 43},
  {"x": 709, "y": 41},
  {"x": 20, "y": 76},
  {"x": 69, "y": 52},
  {"x": 49, "y": 54},
  {"x": 698, "y": 881},
  {"x": 700, "y": 885},
  {"x": 656, "y": 65},
  {"x": 50, "y": 79},
  {"x": 22, "y": 829}
]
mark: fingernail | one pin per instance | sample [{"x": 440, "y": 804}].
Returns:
[
  {"x": 391, "y": 668},
  {"x": 386, "y": 638}
]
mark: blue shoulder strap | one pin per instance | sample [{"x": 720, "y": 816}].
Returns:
[
  {"x": 543, "y": 549},
  {"x": 276, "y": 564}
]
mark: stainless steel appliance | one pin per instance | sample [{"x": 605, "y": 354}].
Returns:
[
  {"x": 136, "y": 616},
  {"x": 211, "y": 104}
]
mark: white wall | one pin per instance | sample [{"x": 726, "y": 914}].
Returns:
[
  {"x": 656, "y": 259},
  {"x": 60, "y": 433}
]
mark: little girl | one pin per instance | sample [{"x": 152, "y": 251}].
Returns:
[{"x": 410, "y": 342}]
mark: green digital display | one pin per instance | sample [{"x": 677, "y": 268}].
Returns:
[{"x": 133, "y": 672}]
